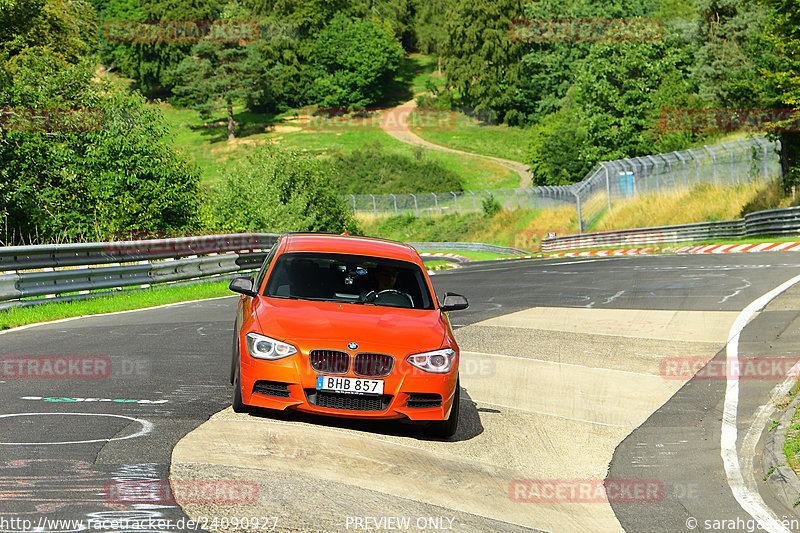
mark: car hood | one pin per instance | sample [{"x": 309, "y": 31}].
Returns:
[{"x": 328, "y": 324}]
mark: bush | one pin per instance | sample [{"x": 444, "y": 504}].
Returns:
[
  {"x": 116, "y": 172},
  {"x": 374, "y": 170},
  {"x": 278, "y": 191},
  {"x": 491, "y": 206},
  {"x": 771, "y": 196}
]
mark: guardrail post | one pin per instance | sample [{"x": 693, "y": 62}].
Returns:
[{"x": 416, "y": 208}]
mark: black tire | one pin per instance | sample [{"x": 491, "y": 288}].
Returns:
[
  {"x": 238, "y": 405},
  {"x": 447, "y": 428}
]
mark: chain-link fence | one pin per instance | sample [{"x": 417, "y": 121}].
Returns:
[{"x": 746, "y": 161}]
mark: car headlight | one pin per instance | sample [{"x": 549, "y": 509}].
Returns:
[
  {"x": 263, "y": 347},
  {"x": 437, "y": 361}
]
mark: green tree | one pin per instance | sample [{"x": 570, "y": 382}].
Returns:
[
  {"x": 781, "y": 80},
  {"x": 66, "y": 180},
  {"x": 615, "y": 88},
  {"x": 559, "y": 151},
  {"x": 481, "y": 62},
  {"x": 65, "y": 27},
  {"x": 150, "y": 64},
  {"x": 356, "y": 60},
  {"x": 216, "y": 74},
  {"x": 733, "y": 50},
  {"x": 277, "y": 190}
]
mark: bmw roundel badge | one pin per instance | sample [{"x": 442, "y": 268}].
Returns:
[{"x": 352, "y": 346}]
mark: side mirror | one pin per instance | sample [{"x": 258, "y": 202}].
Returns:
[
  {"x": 243, "y": 285},
  {"x": 453, "y": 302}
]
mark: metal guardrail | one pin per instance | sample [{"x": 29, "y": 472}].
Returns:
[
  {"x": 59, "y": 271},
  {"x": 466, "y": 247},
  {"x": 773, "y": 222},
  {"x": 33, "y": 271}
]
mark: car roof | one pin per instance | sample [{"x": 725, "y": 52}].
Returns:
[{"x": 349, "y": 244}]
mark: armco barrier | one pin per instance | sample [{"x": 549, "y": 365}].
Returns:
[
  {"x": 32, "y": 271},
  {"x": 466, "y": 247},
  {"x": 772, "y": 222}
]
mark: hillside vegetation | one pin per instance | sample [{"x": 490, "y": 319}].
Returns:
[{"x": 115, "y": 122}]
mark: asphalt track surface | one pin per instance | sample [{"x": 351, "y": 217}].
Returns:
[{"x": 68, "y": 443}]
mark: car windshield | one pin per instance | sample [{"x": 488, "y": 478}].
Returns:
[{"x": 354, "y": 279}]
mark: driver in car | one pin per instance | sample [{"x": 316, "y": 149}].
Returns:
[{"x": 385, "y": 278}]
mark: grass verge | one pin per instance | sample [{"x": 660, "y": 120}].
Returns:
[
  {"x": 19, "y": 316},
  {"x": 791, "y": 447}
]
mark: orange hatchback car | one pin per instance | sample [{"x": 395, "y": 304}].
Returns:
[{"x": 349, "y": 327}]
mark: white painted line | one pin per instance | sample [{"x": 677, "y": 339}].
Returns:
[
  {"x": 146, "y": 428},
  {"x": 750, "y": 501}
]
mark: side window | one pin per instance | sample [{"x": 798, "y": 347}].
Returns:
[{"x": 265, "y": 266}]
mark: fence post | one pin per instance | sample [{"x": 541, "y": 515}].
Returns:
[
  {"x": 714, "y": 161},
  {"x": 733, "y": 179},
  {"x": 746, "y": 158},
  {"x": 416, "y": 209},
  {"x": 696, "y": 163},
  {"x": 374, "y": 207},
  {"x": 395, "y": 203},
  {"x": 435, "y": 202},
  {"x": 608, "y": 185},
  {"x": 578, "y": 202},
  {"x": 766, "y": 165},
  {"x": 474, "y": 203},
  {"x": 455, "y": 199},
  {"x": 353, "y": 196},
  {"x": 655, "y": 171},
  {"x": 683, "y": 162}
]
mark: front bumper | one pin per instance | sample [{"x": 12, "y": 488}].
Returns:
[{"x": 290, "y": 383}]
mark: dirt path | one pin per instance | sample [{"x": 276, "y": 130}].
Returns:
[{"x": 395, "y": 123}]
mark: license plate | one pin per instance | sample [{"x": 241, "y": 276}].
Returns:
[{"x": 350, "y": 385}]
